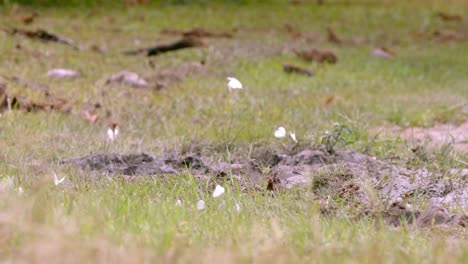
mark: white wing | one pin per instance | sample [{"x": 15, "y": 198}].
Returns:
[
  {"x": 57, "y": 181},
  {"x": 234, "y": 83},
  {"x": 201, "y": 205},
  {"x": 293, "y": 136},
  {"x": 110, "y": 134},
  {"x": 219, "y": 190},
  {"x": 280, "y": 132}
]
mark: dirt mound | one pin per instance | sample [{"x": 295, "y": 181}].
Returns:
[
  {"x": 437, "y": 135},
  {"x": 359, "y": 180}
]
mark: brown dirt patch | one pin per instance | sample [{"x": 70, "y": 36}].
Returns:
[{"x": 437, "y": 135}]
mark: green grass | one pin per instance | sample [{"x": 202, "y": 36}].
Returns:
[{"x": 102, "y": 220}]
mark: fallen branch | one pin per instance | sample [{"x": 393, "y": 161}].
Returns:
[
  {"x": 288, "y": 68},
  {"x": 177, "y": 45},
  {"x": 197, "y": 32}
]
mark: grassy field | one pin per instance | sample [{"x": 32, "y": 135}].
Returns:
[{"x": 93, "y": 218}]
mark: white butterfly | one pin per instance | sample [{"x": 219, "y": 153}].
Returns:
[
  {"x": 219, "y": 190},
  {"x": 234, "y": 83},
  {"x": 113, "y": 132},
  {"x": 201, "y": 205},
  {"x": 293, "y": 136},
  {"x": 178, "y": 202},
  {"x": 280, "y": 132},
  {"x": 57, "y": 181}
]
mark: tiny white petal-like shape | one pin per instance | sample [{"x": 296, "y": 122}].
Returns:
[
  {"x": 280, "y": 132},
  {"x": 58, "y": 181},
  {"x": 128, "y": 78},
  {"x": 201, "y": 205},
  {"x": 234, "y": 83},
  {"x": 9, "y": 103},
  {"x": 63, "y": 73},
  {"x": 238, "y": 208},
  {"x": 219, "y": 190},
  {"x": 293, "y": 136},
  {"x": 112, "y": 133},
  {"x": 20, "y": 190},
  {"x": 178, "y": 202}
]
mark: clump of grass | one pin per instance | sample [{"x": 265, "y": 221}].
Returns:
[{"x": 340, "y": 134}]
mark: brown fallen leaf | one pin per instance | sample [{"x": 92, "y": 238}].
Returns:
[
  {"x": 273, "y": 183},
  {"x": 327, "y": 101},
  {"x": 384, "y": 53},
  {"x": 293, "y": 33},
  {"x": 90, "y": 112},
  {"x": 441, "y": 35},
  {"x": 98, "y": 49},
  {"x": 449, "y": 17},
  {"x": 26, "y": 18},
  {"x": 43, "y": 35},
  {"x": 317, "y": 55},
  {"x": 288, "y": 68},
  {"x": 448, "y": 35},
  {"x": 295, "y": 2},
  {"x": 177, "y": 45},
  {"x": 333, "y": 37},
  {"x": 136, "y": 2},
  {"x": 91, "y": 116}
]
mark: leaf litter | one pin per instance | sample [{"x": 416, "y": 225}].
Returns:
[
  {"x": 43, "y": 35},
  {"x": 51, "y": 102}
]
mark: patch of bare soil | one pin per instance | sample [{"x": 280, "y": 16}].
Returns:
[
  {"x": 163, "y": 78},
  {"x": 437, "y": 135},
  {"x": 361, "y": 181}
]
